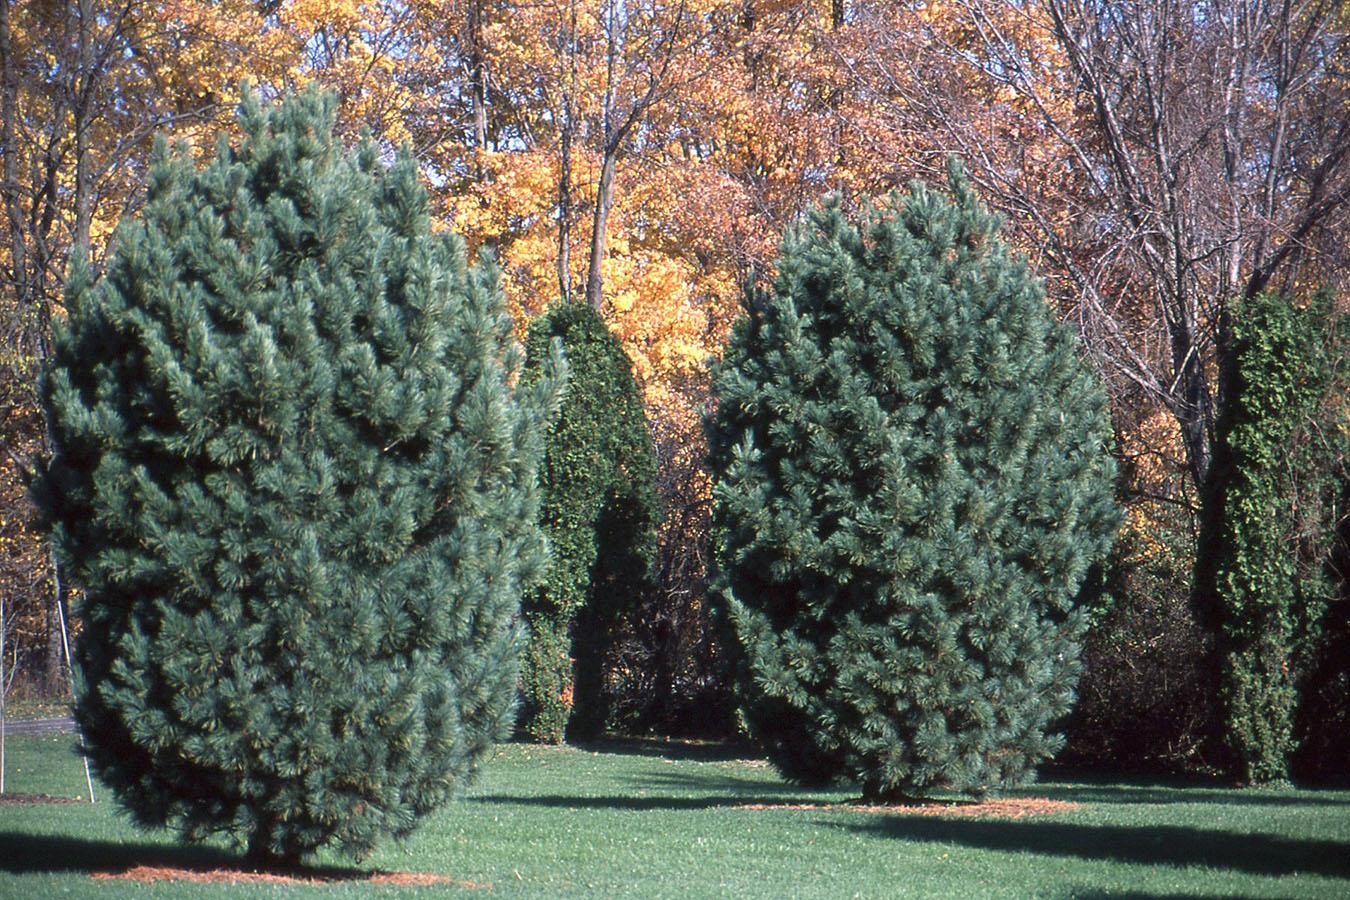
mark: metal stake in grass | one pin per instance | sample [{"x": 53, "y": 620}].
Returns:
[{"x": 70, "y": 680}]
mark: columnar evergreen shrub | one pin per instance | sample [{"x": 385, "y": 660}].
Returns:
[
  {"x": 1322, "y": 727},
  {"x": 299, "y": 492},
  {"x": 599, "y": 511},
  {"x": 912, "y": 483},
  {"x": 1285, "y": 456}
]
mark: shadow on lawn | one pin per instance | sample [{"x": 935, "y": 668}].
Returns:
[
  {"x": 28, "y": 854},
  {"x": 671, "y": 748},
  {"x": 1090, "y": 787},
  {"x": 1091, "y": 893},
  {"x": 707, "y": 781},
  {"x": 21, "y": 854},
  {"x": 1167, "y": 845},
  {"x": 1156, "y": 793},
  {"x": 633, "y": 803}
]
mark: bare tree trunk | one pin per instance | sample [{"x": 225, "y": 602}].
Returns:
[
  {"x": 565, "y": 217},
  {"x": 604, "y": 201},
  {"x": 618, "y": 118},
  {"x": 1193, "y": 405},
  {"x": 478, "y": 81},
  {"x": 610, "y": 140},
  {"x": 9, "y": 95},
  {"x": 568, "y": 61},
  {"x": 81, "y": 103},
  {"x": 49, "y": 668},
  {"x": 837, "y": 95}
]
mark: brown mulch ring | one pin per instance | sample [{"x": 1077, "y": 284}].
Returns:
[
  {"x": 1009, "y": 808},
  {"x": 33, "y": 799},
  {"x": 148, "y": 874}
]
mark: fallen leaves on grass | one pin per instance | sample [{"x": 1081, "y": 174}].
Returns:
[
  {"x": 148, "y": 874},
  {"x": 1009, "y": 808},
  {"x": 33, "y": 799}
]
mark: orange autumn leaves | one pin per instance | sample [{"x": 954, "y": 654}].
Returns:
[{"x": 748, "y": 110}]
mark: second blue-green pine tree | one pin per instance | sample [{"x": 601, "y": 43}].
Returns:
[{"x": 912, "y": 485}]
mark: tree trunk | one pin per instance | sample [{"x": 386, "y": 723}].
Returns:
[
  {"x": 9, "y": 94},
  {"x": 1195, "y": 407},
  {"x": 1211, "y": 527},
  {"x": 53, "y": 682},
  {"x": 837, "y": 95},
  {"x": 565, "y": 213},
  {"x": 567, "y": 133},
  {"x": 261, "y": 858},
  {"x": 478, "y": 82},
  {"x": 604, "y": 200},
  {"x": 82, "y": 101},
  {"x": 875, "y": 794}
]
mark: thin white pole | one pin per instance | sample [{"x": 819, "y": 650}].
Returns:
[{"x": 70, "y": 677}]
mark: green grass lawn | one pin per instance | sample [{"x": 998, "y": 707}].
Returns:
[{"x": 663, "y": 820}]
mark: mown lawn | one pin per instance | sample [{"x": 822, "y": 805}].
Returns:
[{"x": 668, "y": 820}]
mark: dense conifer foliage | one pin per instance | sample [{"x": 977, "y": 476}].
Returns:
[
  {"x": 913, "y": 484},
  {"x": 1283, "y": 449},
  {"x": 299, "y": 492},
  {"x": 599, "y": 511}
]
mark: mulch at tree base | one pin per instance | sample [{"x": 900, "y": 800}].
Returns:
[
  {"x": 33, "y": 799},
  {"x": 1009, "y": 808},
  {"x": 148, "y": 874}
]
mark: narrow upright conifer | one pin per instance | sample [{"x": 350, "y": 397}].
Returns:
[
  {"x": 1280, "y": 466},
  {"x": 912, "y": 483},
  {"x": 599, "y": 510},
  {"x": 299, "y": 492}
]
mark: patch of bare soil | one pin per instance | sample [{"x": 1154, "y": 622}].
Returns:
[
  {"x": 1010, "y": 808},
  {"x": 149, "y": 874},
  {"x": 33, "y": 799}
]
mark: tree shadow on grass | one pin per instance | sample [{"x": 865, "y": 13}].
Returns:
[
  {"x": 1126, "y": 792},
  {"x": 1090, "y": 787},
  {"x": 631, "y": 803},
  {"x": 1160, "y": 845},
  {"x": 722, "y": 782},
  {"x": 712, "y": 788},
  {"x": 670, "y": 748},
  {"x": 30, "y": 854},
  {"x": 1096, "y": 893}
]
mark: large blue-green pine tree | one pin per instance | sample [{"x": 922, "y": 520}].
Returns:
[
  {"x": 299, "y": 492},
  {"x": 912, "y": 483}
]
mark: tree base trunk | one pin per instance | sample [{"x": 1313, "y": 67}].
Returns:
[
  {"x": 876, "y": 796},
  {"x": 260, "y": 856}
]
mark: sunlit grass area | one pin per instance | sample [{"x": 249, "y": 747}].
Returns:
[{"x": 657, "y": 819}]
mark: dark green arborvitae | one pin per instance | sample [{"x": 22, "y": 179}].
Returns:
[
  {"x": 299, "y": 493},
  {"x": 912, "y": 483},
  {"x": 1285, "y": 450},
  {"x": 599, "y": 511}
]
